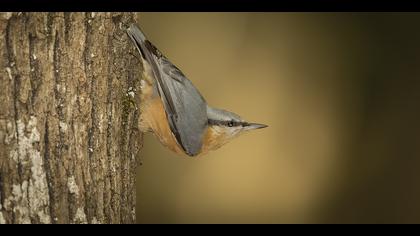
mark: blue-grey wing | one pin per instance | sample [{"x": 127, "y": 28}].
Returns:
[{"x": 185, "y": 106}]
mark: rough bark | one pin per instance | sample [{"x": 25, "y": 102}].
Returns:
[{"x": 69, "y": 140}]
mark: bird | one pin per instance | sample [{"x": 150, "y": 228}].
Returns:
[{"x": 174, "y": 110}]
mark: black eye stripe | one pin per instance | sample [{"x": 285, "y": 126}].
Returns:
[
  {"x": 212, "y": 122},
  {"x": 229, "y": 123}
]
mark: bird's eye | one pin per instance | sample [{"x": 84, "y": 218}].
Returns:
[{"x": 230, "y": 123}]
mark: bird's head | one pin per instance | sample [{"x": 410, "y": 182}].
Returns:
[{"x": 224, "y": 126}]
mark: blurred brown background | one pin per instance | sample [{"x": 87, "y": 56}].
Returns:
[{"x": 341, "y": 95}]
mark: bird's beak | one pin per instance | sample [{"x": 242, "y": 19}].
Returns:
[{"x": 252, "y": 126}]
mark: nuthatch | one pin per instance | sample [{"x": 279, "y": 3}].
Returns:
[{"x": 175, "y": 111}]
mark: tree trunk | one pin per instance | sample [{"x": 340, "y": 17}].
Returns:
[{"x": 69, "y": 139}]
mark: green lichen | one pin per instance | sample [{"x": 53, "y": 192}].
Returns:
[{"x": 128, "y": 106}]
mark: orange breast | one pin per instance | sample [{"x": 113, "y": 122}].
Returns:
[
  {"x": 154, "y": 116},
  {"x": 214, "y": 138}
]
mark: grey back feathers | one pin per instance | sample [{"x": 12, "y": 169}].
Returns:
[
  {"x": 222, "y": 115},
  {"x": 185, "y": 107}
]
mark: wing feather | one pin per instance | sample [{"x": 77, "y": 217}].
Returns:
[
  {"x": 185, "y": 107},
  {"x": 189, "y": 106}
]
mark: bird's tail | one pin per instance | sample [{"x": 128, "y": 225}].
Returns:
[
  {"x": 135, "y": 32},
  {"x": 139, "y": 39}
]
